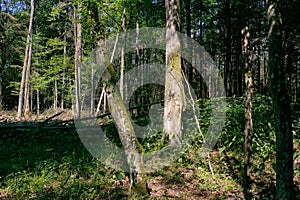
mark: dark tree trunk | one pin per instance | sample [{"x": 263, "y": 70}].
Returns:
[
  {"x": 281, "y": 105},
  {"x": 227, "y": 72}
]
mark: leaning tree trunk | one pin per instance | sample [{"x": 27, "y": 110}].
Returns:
[
  {"x": 26, "y": 63},
  {"x": 133, "y": 149},
  {"x": 174, "y": 91},
  {"x": 281, "y": 104}
]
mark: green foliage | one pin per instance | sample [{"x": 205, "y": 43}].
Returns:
[
  {"x": 232, "y": 137},
  {"x": 46, "y": 168}
]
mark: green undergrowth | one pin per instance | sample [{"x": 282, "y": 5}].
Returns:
[{"x": 55, "y": 165}]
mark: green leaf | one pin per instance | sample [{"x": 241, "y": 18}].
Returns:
[
  {"x": 120, "y": 176},
  {"x": 222, "y": 149}
]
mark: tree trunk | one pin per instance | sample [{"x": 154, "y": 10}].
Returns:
[
  {"x": 77, "y": 34},
  {"x": 174, "y": 91},
  {"x": 227, "y": 72},
  {"x": 248, "y": 113},
  {"x": 27, "y": 82},
  {"x": 1, "y": 88},
  {"x": 63, "y": 74},
  {"x": 122, "y": 70},
  {"x": 92, "y": 91},
  {"x": 25, "y": 75},
  {"x": 38, "y": 102},
  {"x": 189, "y": 70},
  {"x": 133, "y": 149},
  {"x": 55, "y": 94},
  {"x": 100, "y": 101},
  {"x": 281, "y": 104}
]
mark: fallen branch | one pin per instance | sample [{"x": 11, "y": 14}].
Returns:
[{"x": 50, "y": 118}]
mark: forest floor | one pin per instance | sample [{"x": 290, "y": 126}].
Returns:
[{"x": 55, "y": 165}]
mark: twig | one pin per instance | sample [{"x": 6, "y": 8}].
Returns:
[
  {"x": 209, "y": 164},
  {"x": 192, "y": 102},
  {"x": 50, "y": 118}
]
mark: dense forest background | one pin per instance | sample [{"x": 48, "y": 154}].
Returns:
[
  {"x": 216, "y": 25},
  {"x": 254, "y": 44}
]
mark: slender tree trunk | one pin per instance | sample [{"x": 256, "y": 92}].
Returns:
[
  {"x": 27, "y": 82},
  {"x": 77, "y": 34},
  {"x": 1, "y": 83},
  {"x": 31, "y": 98},
  {"x": 63, "y": 75},
  {"x": 100, "y": 101},
  {"x": 189, "y": 70},
  {"x": 104, "y": 102},
  {"x": 174, "y": 91},
  {"x": 122, "y": 70},
  {"x": 137, "y": 60},
  {"x": 38, "y": 102},
  {"x": 227, "y": 72},
  {"x": 55, "y": 94},
  {"x": 281, "y": 104},
  {"x": 258, "y": 70},
  {"x": 25, "y": 75},
  {"x": 248, "y": 113},
  {"x": 92, "y": 91}
]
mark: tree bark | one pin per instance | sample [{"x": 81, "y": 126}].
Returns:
[
  {"x": 189, "y": 70},
  {"x": 26, "y": 64},
  {"x": 227, "y": 69},
  {"x": 174, "y": 91},
  {"x": 122, "y": 68},
  {"x": 78, "y": 35},
  {"x": 62, "y": 106},
  {"x": 133, "y": 149},
  {"x": 281, "y": 104},
  {"x": 27, "y": 82},
  {"x": 248, "y": 113}
]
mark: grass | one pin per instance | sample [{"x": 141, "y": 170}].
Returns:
[
  {"x": 55, "y": 165},
  {"x": 52, "y": 164}
]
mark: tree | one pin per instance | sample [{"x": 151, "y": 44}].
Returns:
[
  {"x": 248, "y": 112},
  {"x": 281, "y": 103},
  {"x": 24, "y": 86},
  {"x": 174, "y": 91},
  {"x": 78, "y": 41},
  {"x": 133, "y": 149}
]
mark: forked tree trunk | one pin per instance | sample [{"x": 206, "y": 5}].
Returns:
[
  {"x": 26, "y": 64},
  {"x": 174, "y": 91}
]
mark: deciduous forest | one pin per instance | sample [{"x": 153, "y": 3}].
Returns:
[{"x": 195, "y": 99}]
